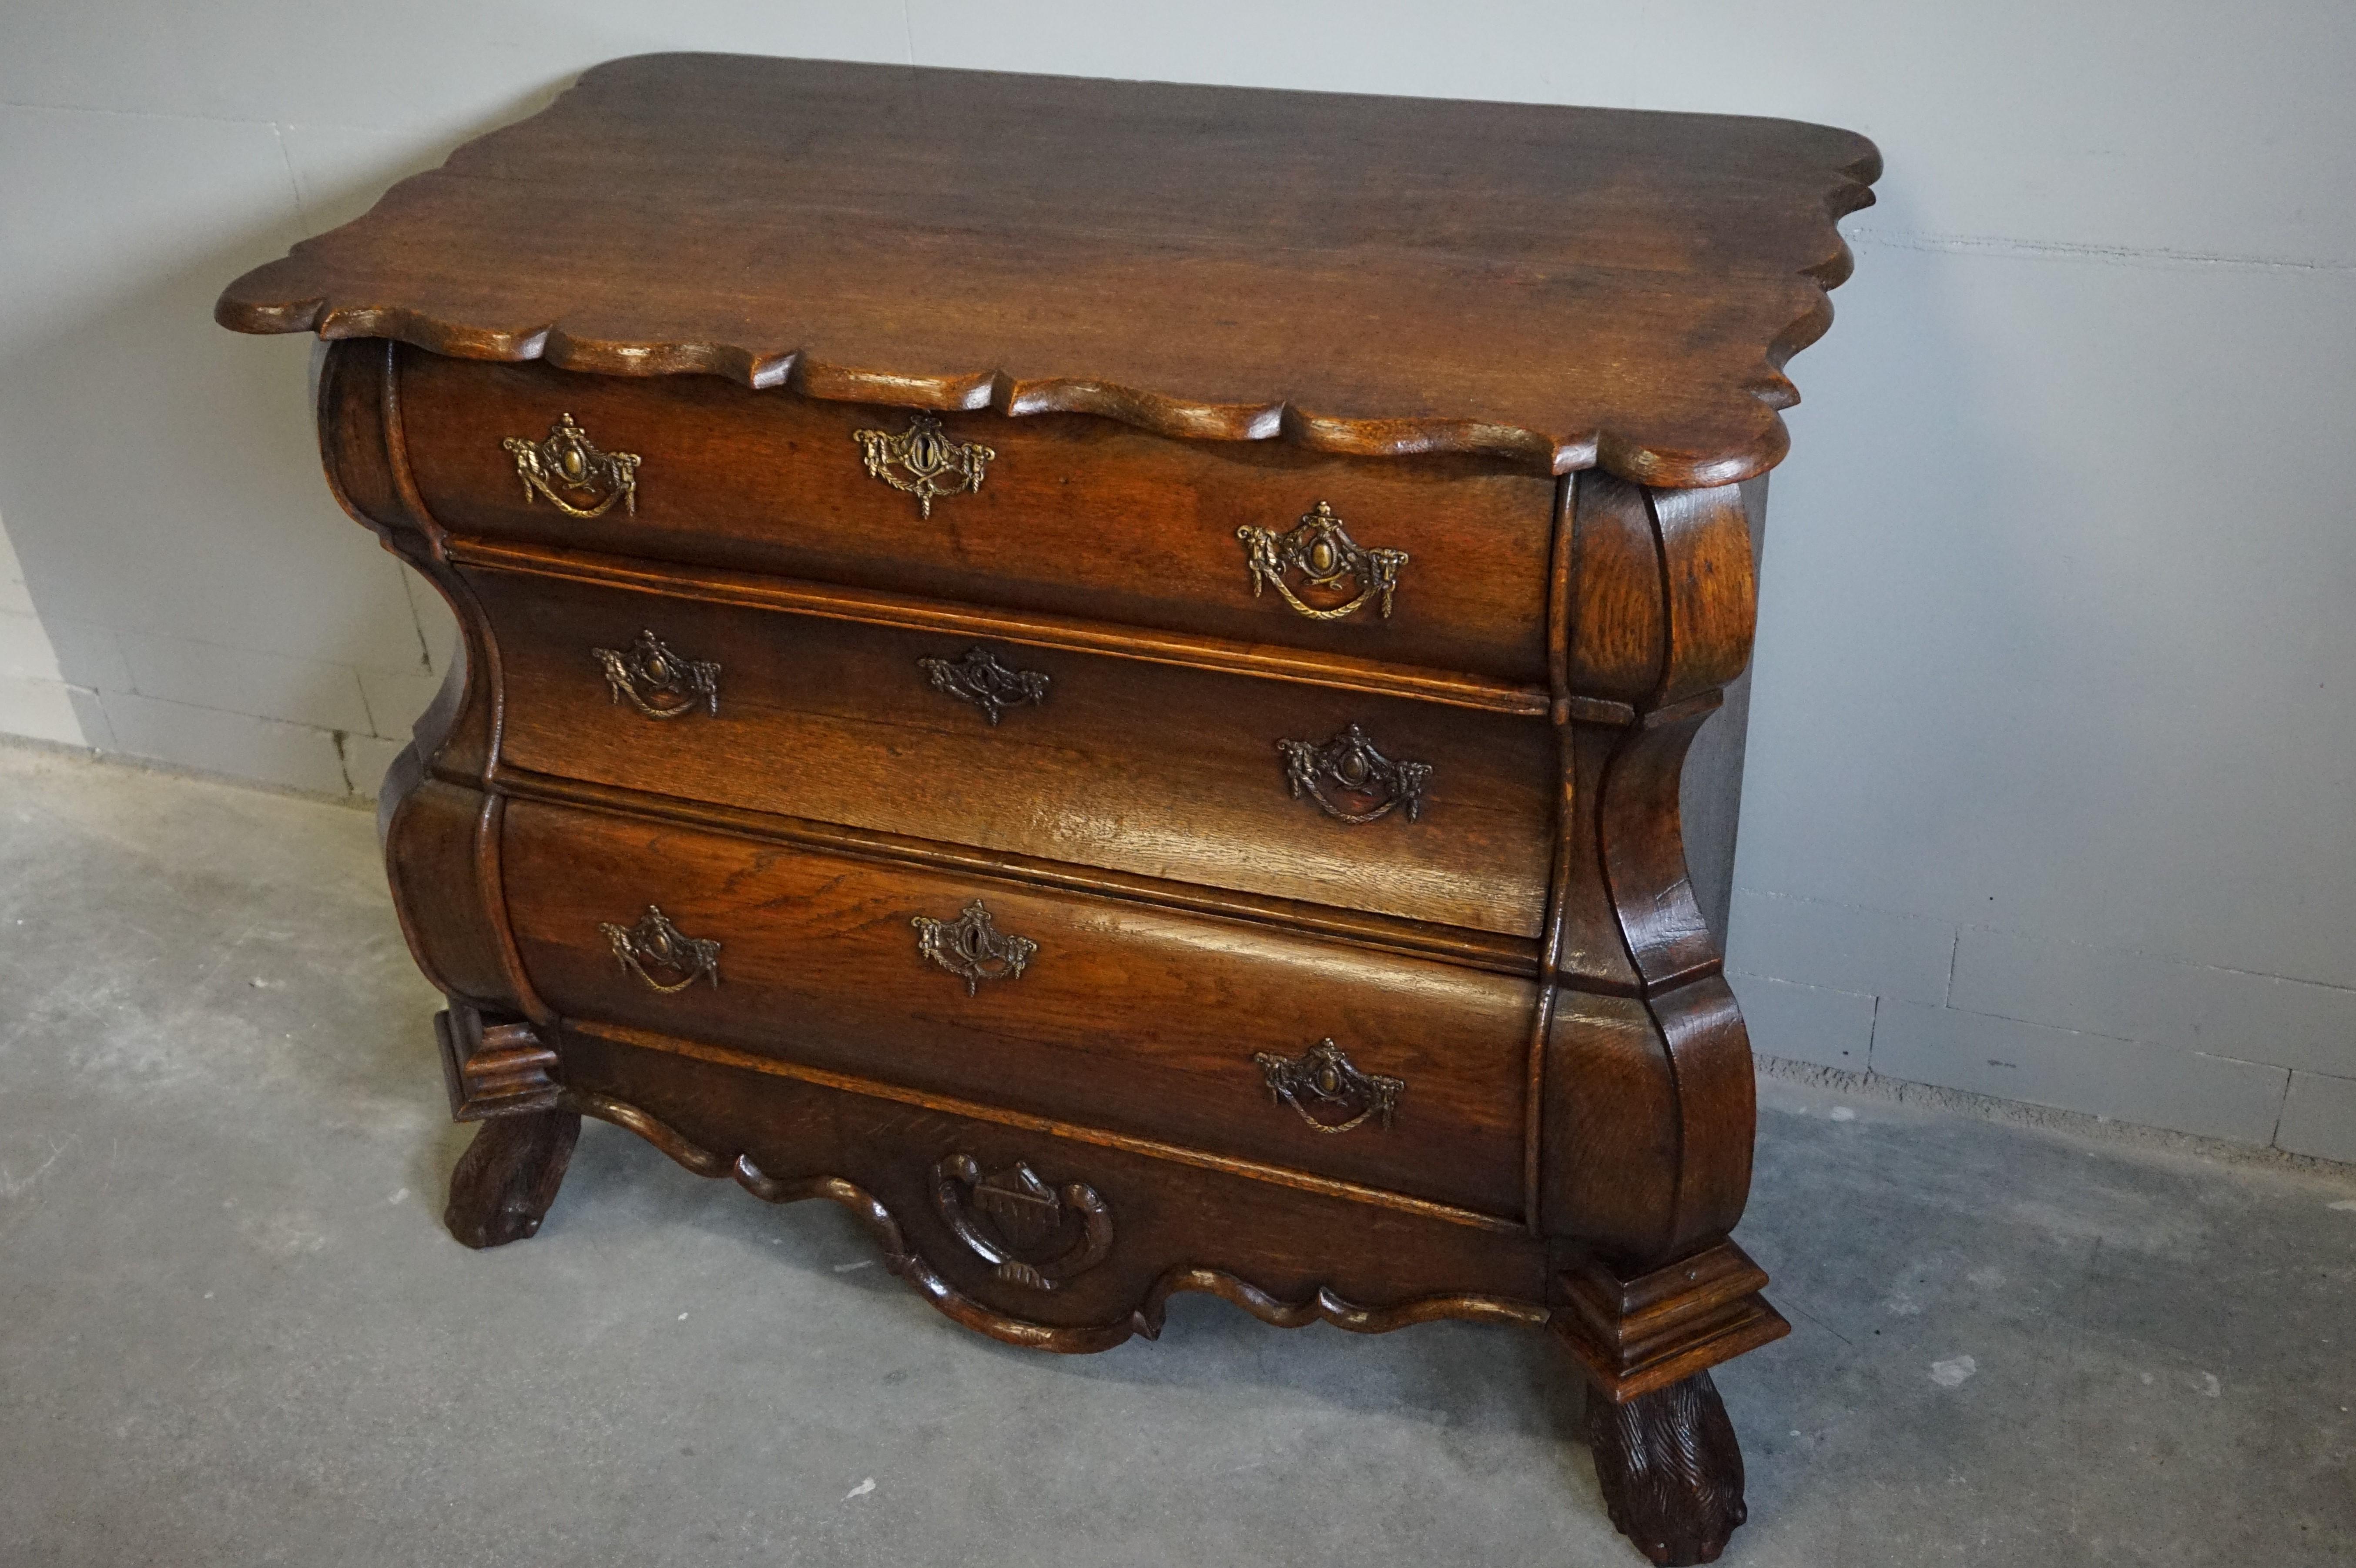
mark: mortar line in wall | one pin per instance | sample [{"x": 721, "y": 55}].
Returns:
[
  {"x": 1881, "y": 1086},
  {"x": 294, "y": 186},
  {"x": 2158, "y": 955},
  {"x": 243, "y": 713},
  {"x": 409, "y": 581},
  {"x": 2029, "y": 933},
  {"x": 132, "y": 113},
  {"x": 2069, "y": 250},
  {"x": 368, "y": 710},
  {"x": 111, "y": 757},
  {"x": 2092, "y": 1033}
]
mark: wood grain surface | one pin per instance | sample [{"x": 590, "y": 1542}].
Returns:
[
  {"x": 883, "y": 608},
  {"x": 1076, "y": 515},
  {"x": 1130, "y": 1018},
  {"x": 1287, "y": 1256},
  {"x": 1531, "y": 348},
  {"x": 1560, "y": 288},
  {"x": 1146, "y": 769}
]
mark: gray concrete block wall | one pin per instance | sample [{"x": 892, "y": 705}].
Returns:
[
  {"x": 180, "y": 586},
  {"x": 2194, "y": 1007},
  {"x": 2320, "y": 1116},
  {"x": 317, "y": 725},
  {"x": 1819, "y": 1024},
  {"x": 2225, "y": 1053}
]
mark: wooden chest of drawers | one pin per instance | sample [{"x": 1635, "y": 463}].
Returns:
[{"x": 1101, "y": 674}]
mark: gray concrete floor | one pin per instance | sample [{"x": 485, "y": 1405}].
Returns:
[{"x": 232, "y": 1330}]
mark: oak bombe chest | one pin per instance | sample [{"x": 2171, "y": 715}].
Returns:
[{"x": 1102, "y": 673}]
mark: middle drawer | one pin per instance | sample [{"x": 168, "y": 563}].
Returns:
[
  {"x": 1206, "y": 1033},
  {"x": 1377, "y": 803}
]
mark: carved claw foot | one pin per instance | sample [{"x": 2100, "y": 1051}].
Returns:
[
  {"x": 503, "y": 1184},
  {"x": 1670, "y": 1472}
]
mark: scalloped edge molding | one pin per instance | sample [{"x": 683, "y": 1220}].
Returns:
[
  {"x": 1615, "y": 451},
  {"x": 1144, "y": 1319}
]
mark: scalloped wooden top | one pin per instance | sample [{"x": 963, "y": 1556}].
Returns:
[{"x": 1561, "y": 288}]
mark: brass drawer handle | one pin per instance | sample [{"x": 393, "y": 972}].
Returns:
[
  {"x": 1014, "y": 1221},
  {"x": 656, "y": 941},
  {"x": 658, "y": 682},
  {"x": 1350, "y": 767},
  {"x": 568, "y": 460},
  {"x": 981, "y": 680},
  {"x": 1322, "y": 550},
  {"x": 1323, "y": 1076},
  {"x": 924, "y": 460},
  {"x": 971, "y": 948}
]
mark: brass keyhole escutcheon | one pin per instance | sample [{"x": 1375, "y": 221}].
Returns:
[
  {"x": 925, "y": 461},
  {"x": 973, "y": 948}
]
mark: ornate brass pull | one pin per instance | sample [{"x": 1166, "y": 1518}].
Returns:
[
  {"x": 658, "y": 682},
  {"x": 569, "y": 460},
  {"x": 1012, "y": 1220},
  {"x": 1322, "y": 550},
  {"x": 656, "y": 941},
  {"x": 1323, "y": 1076},
  {"x": 971, "y": 948},
  {"x": 981, "y": 680},
  {"x": 1349, "y": 765},
  {"x": 924, "y": 461}
]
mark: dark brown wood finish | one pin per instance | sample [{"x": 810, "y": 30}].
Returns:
[
  {"x": 1147, "y": 769},
  {"x": 1029, "y": 955},
  {"x": 503, "y": 1184},
  {"x": 1671, "y": 1471},
  {"x": 1341, "y": 672},
  {"x": 774, "y": 483},
  {"x": 1288, "y": 1253},
  {"x": 1556, "y": 287},
  {"x": 1141, "y": 1020},
  {"x": 493, "y": 1066}
]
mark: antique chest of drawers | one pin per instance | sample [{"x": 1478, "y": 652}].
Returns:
[{"x": 1102, "y": 673}]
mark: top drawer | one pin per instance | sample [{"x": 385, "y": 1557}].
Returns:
[{"x": 1073, "y": 514}]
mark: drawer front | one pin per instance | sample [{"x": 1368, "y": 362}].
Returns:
[
  {"x": 1190, "y": 1031},
  {"x": 1140, "y": 768},
  {"x": 1073, "y": 514},
  {"x": 1163, "y": 1216}
]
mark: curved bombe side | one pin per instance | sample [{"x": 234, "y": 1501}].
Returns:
[{"x": 436, "y": 819}]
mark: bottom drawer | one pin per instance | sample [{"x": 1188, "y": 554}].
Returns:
[
  {"x": 1135, "y": 1227},
  {"x": 1188, "y": 1030}
]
